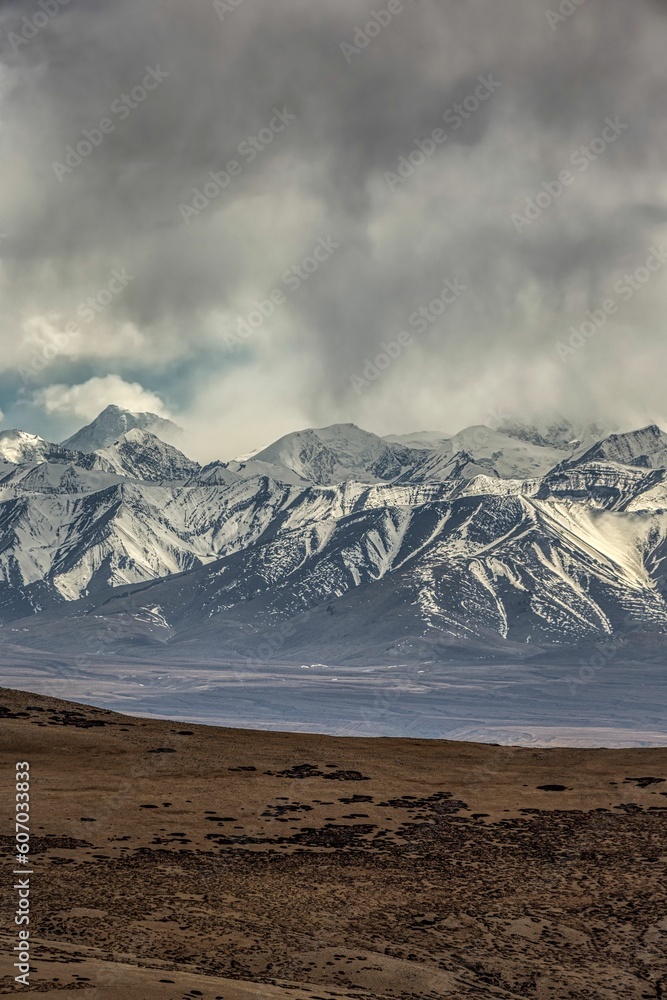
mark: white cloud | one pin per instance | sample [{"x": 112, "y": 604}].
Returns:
[
  {"x": 245, "y": 409},
  {"x": 89, "y": 398}
]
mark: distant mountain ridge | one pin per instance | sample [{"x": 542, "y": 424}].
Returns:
[{"x": 360, "y": 548}]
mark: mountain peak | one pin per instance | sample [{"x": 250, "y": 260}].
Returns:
[
  {"x": 17, "y": 446},
  {"x": 554, "y": 432},
  {"x": 644, "y": 448},
  {"x": 142, "y": 455},
  {"x": 112, "y": 423},
  {"x": 339, "y": 452}
]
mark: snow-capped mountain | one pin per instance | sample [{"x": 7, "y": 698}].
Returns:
[
  {"x": 17, "y": 447},
  {"x": 20, "y": 448},
  {"x": 338, "y": 453},
  {"x": 555, "y": 433},
  {"x": 480, "y": 450},
  {"x": 136, "y": 454},
  {"x": 357, "y": 547},
  {"x": 646, "y": 448},
  {"x": 112, "y": 423},
  {"x": 428, "y": 440},
  {"x": 141, "y": 455},
  {"x": 342, "y": 452}
]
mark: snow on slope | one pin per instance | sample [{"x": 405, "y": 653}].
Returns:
[
  {"x": 18, "y": 447},
  {"x": 112, "y": 423},
  {"x": 505, "y": 456},
  {"x": 342, "y": 452},
  {"x": 480, "y": 450},
  {"x": 214, "y": 474},
  {"x": 646, "y": 448},
  {"x": 333, "y": 454},
  {"x": 131, "y": 532},
  {"x": 427, "y": 440},
  {"x": 489, "y": 534},
  {"x": 558, "y": 432},
  {"x": 139, "y": 454},
  {"x": 251, "y": 468},
  {"x": 48, "y": 477},
  {"x": 468, "y": 569},
  {"x": 126, "y": 533}
]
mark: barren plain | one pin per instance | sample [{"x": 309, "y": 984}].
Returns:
[{"x": 175, "y": 861}]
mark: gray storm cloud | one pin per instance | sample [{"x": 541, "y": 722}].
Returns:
[{"x": 331, "y": 125}]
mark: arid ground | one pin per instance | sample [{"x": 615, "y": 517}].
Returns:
[{"x": 178, "y": 861}]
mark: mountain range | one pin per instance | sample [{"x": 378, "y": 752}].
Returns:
[{"x": 333, "y": 544}]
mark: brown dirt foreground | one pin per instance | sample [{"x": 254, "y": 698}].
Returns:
[{"x": 174, "y": 861}]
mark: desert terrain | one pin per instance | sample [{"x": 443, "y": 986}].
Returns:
[{"x": 175, "y": 861}]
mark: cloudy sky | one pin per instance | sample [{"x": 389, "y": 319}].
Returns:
[{"x": 128, "y": 275}]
